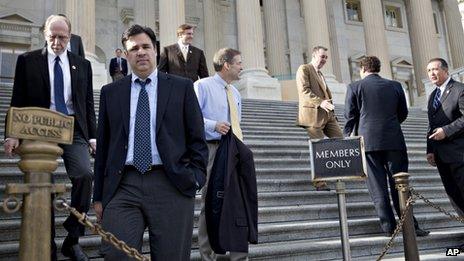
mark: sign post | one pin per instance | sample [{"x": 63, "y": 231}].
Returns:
[
  {"x": 339, "y": 160},
  {"x": 40, "y": 130}
]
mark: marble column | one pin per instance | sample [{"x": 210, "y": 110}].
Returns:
[
  {"x": 82, "y": 17},
  {"x": 424, "y": 42},
  {"x": 276, "y": 36},
  {"x": 211, "y": 21},
  {"x": 254, "y": 79},
  {"x": 172, "y": 16},
  {"x": 144, "y": 13},
  {"x": 455, "y": 32},
  {"x": 374, "y": 34},
  {"x": 317, "y": 30}
]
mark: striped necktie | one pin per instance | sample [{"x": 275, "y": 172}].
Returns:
[
  {"x": 233, "y": 111},
  {"x": 436, "y": 99}
]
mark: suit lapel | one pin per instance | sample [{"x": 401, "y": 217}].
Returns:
[
  {"x": 322, "y": 86},
  {"x": 73, "y": 70},
  {"x": 447, "y": 91},
  {"x": 43, "y": 67},
  {"x": 179, "y": 53},
  {"x": 164, "y": 91},
  {"x": 125, "y": 99}
]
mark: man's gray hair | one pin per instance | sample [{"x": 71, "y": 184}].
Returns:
[{"x": 224, "y": 55}]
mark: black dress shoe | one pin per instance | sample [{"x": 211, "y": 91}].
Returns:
[
  {"x": 421, "y": 232},
  {"x": 323, "y": 187},
  {"x": 73, "y": 251}
]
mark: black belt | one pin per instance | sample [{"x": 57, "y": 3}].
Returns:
[
  {"x": 152, "y": 167},
  {"x": 213, "y": 141}
]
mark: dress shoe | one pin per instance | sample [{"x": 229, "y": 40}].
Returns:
[
  {"x": 421, "y": 232},
  {"x": 388, "y": 234},
  {"x": 73, "y": 250},
  {"x": 323, "y": 187}
]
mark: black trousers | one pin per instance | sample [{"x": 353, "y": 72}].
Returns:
[
  {"x": 382, "y": 165},
  {"x": 452, "y": 176},
  {"x": 150, "y": 201}
]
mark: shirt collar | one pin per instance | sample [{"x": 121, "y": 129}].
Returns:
[
  {"x": 52, "y": 55},
  {"x": 443, "y": 86},
  {"x": 153, "y": 76},
  {"x": 179, "y": 42},
  {"x": 218, "y": 78}
]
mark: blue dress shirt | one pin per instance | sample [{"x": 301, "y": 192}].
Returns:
[
  {"x": 152, "y": 90},
  {"x": 212, "y": 97}
]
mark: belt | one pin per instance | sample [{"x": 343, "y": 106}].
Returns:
[
  {"x": 213, "y": 141},
  {"x": 152, "y": 167}
]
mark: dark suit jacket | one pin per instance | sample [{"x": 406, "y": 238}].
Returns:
[
  {"x": 114, "y": 66},
  {"x": 232, "y": 221},
  {"x": 377, "y": 107},
  {"x": 179, "y": 136},
  {"x": 450, "y": 117},
  {"x": 172, "y": 61},
  {"x": 76, "y": 45},
  {"x": 32, "y": 87}
]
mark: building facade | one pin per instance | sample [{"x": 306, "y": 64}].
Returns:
[{"x": 275, "y": 36}]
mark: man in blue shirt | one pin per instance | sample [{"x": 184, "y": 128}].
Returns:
[{"x": 220, "y": 103}]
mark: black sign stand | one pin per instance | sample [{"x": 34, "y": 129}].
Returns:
[{"x": 340, "y": 189}]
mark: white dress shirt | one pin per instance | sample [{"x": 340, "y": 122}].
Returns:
[{"x": 64, "y": 63}]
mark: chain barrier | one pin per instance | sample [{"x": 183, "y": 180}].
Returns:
[
  {"x": 440, "y": 209},
  {"x": 398, "y": 228},
  {"x": 107, "y": 236}
]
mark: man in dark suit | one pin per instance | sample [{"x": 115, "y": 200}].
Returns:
[
  {"x": 75, "y": 45},
  {"x": 151, "y": 155},
  {"x": 220, "y": 103},
  {"x": 59, "y": 80},
  {"x": 118, "y": 66},
  {"x": 445, "y": 142},
  {"x": 182, "y": 58},
  {"x": 375, "y": 108}
]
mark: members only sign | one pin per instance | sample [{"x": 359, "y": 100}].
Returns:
[{"x": 337, "y": 159}]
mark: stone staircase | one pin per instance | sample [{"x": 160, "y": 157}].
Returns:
[{"x": 295, "y": 221}]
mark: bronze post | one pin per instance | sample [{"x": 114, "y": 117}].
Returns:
[{"x": 411, "y": 252}]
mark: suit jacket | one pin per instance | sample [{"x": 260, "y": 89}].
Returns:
[
  {"x": 232, "y": 219},
  {"x": 76, "y": 45},
  {"x": 311, "y": 92},
  {"x": 377, "y": 107},
  {"x": 172, "y": 61},
  {"x": 114, "y": 68},
  {"x": 450, "y": 117},
  {"x": 179, "y": 136},
  {"x": 32, "y": 87}
]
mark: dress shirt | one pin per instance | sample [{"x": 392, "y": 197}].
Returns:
[
  {"x": 184, "y": 48},
  {"x": 66, "y": 79},
  {"x": 212, "y": 97},
  {"x": 152, "y": 91},
  {"x": 443, "y": 87}
]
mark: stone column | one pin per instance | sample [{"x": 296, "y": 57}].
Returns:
[
  {"x": 424, "y": 42},
  {"x": 171, "y": 16},
  {"x": 276, "y": 37},
  {"x": 211, "y": 32},
  {"x": 82, "y": 17},
  {"x": 455, "y": 32},
  {"x": 374, "y": 34},
  {"x": 144, "y": 13},
  {"x": 254, "y": 82},
  {"x": 317, "y": 30}
]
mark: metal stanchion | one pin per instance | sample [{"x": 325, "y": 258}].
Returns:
[
  {"x": 411, "y": 252},
  {"x": 340, "y": 189}
]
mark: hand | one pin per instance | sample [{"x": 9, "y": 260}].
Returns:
[
  {"x": 97, "y": 206},
  {"x": 93, "y": 146},
  {"x": 431, "y": 159},
  {"x": 10, "y": 145},
  {"x": 327, "y": 105},
  {"x": 438, "y": 134},
  {"x": 222, "y": 127}
]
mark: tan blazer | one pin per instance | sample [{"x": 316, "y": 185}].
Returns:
[{"x": 311, "y": 93}]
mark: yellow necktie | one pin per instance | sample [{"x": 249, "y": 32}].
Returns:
[{"x": 233, "y": 113}]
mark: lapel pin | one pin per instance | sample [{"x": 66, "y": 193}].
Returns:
[
  {"x": 73, "y": 67},
  {"x": 447, "y": 92}
]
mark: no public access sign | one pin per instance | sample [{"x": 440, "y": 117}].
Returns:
[{"x": 337, "y": 159}]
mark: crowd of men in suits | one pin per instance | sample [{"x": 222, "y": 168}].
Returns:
[
  {"x": 375, "y": 108},
  {"x": 162, "y": 138}
]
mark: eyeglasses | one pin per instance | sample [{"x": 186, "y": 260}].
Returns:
[{"x": 60, "y": 38}]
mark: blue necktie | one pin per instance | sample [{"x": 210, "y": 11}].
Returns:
[
  {"x": 142, "y": 136},
  {"x": 58, "y": 85},
  {"x": 436, "y": 99}
]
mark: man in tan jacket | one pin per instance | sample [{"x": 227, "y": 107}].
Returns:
[{"x": 315, "y": 108}]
